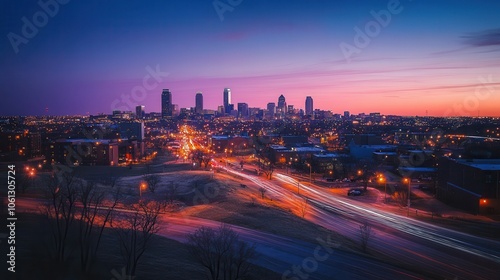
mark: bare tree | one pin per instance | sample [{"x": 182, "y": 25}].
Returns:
[
  {"x": 366, "y": 233},
  {"x": 60, "y": 210},
  {"x": 253, "y": 200},
  {"x": 303, "y": 206},
  {"x": 268, "y": 170},
  {"x": 153, "y": 180},
  {"x": 110, "y": 181},
  {"x": 94, "y": 215},
  {"x": 197, "y": 156},
  {"x": 135, "y": 232},
  {"x": 206, "y": 160},
  {"x": 401, "y": 197},
  {"x": 221, "y": 252},
  {"x": 172, "y": 193},
  {"x": 24, "y": 181},
  {"x": 262, "y": 192},
  {"x": 435, "y": 210}
]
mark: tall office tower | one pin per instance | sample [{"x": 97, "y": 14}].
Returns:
[
  {"x": 227, "y": 100},
  {"x": 346, "y": 114},
  {"x": 166, "y": 104},
  {"x": 220, "y": 110},
  {"x": 309, "y": 106},
  {"x": 271, "y": 109},
  {"x": 198, "y": 109},
  {"x": 243, "y": 110},
  {"x": 139, "y": 112},
  {"x": 281, "y": 105},
  {"x": 175, "y": 110}
]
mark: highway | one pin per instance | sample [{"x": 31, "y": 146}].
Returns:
[
  {"x": 435, "y": 251},
  {"x": 418, "y": 246},
  {"x": 280, "y": 254}
]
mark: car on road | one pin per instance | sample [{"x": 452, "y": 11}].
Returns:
[{"x": 354, "y": 192}]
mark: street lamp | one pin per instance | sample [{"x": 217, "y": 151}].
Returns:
[
  {"x": 406, "y": 180},
  {"x": 141, "y": 187},
  {"x": 32, "y": 176},
  {"x": 310, "y": 173},
  {"x": 382, "y": 179}
]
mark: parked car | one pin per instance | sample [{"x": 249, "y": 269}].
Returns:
[{"x": 354, "y": 192}]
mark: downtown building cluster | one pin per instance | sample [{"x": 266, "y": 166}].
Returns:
[
  {"x": 442, "y": 153},
  {"x": 279, "y": 110}
]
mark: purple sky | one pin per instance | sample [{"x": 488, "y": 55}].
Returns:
[{"x": 441, "y": 56}]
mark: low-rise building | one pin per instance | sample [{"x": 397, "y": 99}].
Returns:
[
  {"x": 85, "y": 152},
  {"x": 470, "y": 184}
]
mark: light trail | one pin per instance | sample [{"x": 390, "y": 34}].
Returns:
[
  {"x": 390, "y": 243},
  {"x": 402, "y": 224}
]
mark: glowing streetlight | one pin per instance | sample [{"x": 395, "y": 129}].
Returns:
[
  {"x": 310, "y": 173},
  {"x": 381, "y": 179},
  {"x": 406, "y": 180},
  {"x": 142, "y": 187}
]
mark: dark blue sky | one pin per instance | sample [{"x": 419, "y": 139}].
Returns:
[{"x": 431, "y": 55}]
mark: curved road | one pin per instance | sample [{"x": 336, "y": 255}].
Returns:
[{"x": 436, "y": 251}]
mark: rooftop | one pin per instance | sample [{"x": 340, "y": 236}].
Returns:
[
  {"x": 482, "y": 164},
  {"x": 278, "y": 147},
  {"x": 329, "y": 155},
  {"x": 220, "y": 137},
  {"x": 307, "y": 149},
  {"x": 84, "y": 140}
]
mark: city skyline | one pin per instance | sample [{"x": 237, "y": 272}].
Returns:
[
  {"x": 394, "y": 57},
  {"x": 238, "y": 139}
]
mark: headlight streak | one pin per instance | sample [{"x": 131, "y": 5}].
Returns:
[{"x": 403, "y": 224}]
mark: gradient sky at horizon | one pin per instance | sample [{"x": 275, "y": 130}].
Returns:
[{"x": 432, "y": 58}]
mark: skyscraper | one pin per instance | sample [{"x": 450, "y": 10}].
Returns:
[
  {"x": 175, "y": 109},
  {"x": 227, "y": 100},
  {"x": 139, "y": 112},
  {"x": 271, "y": 109},
  {"x": 243, "y": 110},
  {"x": 281, "y": 105},
  {"x": 199, "y": 103},
  {"x": 166, "y": 104},
  {"x": 309, "y": 106}
]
